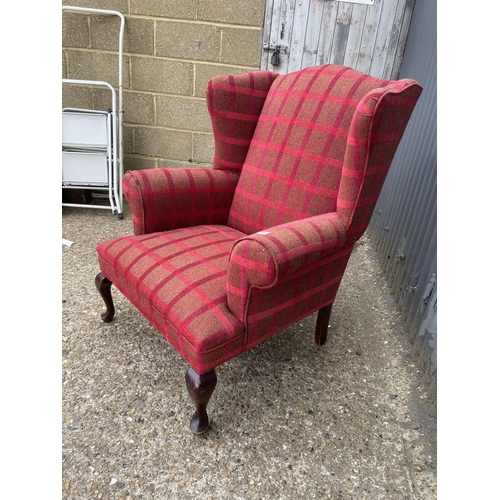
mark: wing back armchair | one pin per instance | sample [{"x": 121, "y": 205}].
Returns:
[{"x": 223, "y": 258}]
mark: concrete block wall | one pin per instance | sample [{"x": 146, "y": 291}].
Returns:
[{"x": 171, "y": 50}]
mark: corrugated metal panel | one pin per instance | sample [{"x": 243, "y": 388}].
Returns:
[{"x": 404, "y": 227}]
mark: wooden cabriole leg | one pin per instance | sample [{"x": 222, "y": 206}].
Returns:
[
  {"x": 322, "y": 324},
  {"x": 104, "y": 288},
  {"x": 200, "y": 388}
]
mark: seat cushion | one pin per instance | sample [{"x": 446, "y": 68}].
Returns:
[{"x": 177, "y": 280}]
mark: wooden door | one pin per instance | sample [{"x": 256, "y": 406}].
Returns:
[{"x": 368, "y": 35}]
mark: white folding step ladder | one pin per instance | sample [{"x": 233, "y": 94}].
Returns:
[{"x": 92, "y": 140}]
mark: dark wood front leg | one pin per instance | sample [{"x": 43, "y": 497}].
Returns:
[
  {"x": 104, "y": 288},
  {"x": 200, "y": 388},
  {"x": 322, "y": 324}
]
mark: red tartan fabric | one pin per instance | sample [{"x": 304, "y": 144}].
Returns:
[
  {"x": 224, "y": 258},
  {"x": 270, "y": 310},
  {"x": 234, "y": 103},
  {"x": 177, "y": 279},
  {"x": 164, "y": 199},
  {"x": 267, "y": 257},
  {"x": 295, "y": 162},
  {"x": 376, "y": 130}
]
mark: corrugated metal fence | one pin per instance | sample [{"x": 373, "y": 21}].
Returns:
[{"x": 403, "y": 230}]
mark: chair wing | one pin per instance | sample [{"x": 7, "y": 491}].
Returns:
[
  {"x": 377, "y": 128},
  {"x": 235, "y": 103}
]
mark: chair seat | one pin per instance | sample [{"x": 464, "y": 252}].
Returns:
[{"x": 178, "y": 281}]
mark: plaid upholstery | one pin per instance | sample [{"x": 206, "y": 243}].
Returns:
[
  {"x": 224, "y": 258},
  {"x": 376, "y": 130},
  {"x": 296, "y": 159},
  {"x": 177, "y": 279},
  {"x": 296, "y": 296},
  {"x": 164, "y": 199},
  {"x": 268, "y": 257},
  {"x": 234, "y": 103}
]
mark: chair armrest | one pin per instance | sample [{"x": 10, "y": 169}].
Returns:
[
  {"x": 267, "y": 257},
  {"x": 163, "y": 199}
]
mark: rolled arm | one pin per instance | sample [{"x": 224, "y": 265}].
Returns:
[
  {"x": 267, "y": 257},
  {"x": 164, "y": 199}
]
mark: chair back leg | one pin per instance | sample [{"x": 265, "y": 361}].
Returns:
[{"x": 322, "y": 324}]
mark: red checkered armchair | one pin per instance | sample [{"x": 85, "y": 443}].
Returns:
[{"x": 223, "y": 258}]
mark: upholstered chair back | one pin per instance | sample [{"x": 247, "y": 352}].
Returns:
[{"x": 311, "y": 143}]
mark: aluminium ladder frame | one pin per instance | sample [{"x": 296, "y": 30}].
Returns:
[{"x": 115, "y": 188}]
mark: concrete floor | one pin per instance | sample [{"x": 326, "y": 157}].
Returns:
[{"x": 290, "y": 419}]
